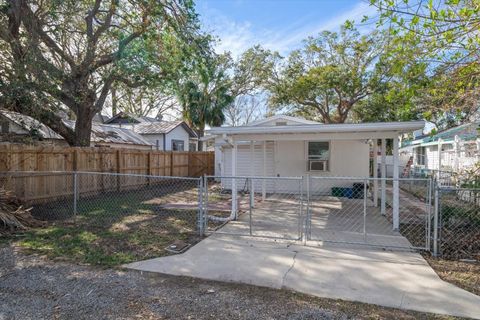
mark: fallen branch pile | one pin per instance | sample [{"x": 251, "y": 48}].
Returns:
[{"x": 13, "y": 216}]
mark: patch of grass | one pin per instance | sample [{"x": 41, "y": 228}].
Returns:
[{"x": 113, "y": 229}]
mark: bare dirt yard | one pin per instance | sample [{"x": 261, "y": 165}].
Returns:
[
  {"x": 34, "y": 287},
  {"x": 465, "y": 275}
]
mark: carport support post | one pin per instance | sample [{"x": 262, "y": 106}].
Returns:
[
  {"x": 234, "y": 181},
  {"x": 375, "y": 173},
  {"x": 396, "y": 192},
  {"x": 384, "y": 175}
]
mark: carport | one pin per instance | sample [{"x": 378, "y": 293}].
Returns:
[{"x": 283, "y": 146}]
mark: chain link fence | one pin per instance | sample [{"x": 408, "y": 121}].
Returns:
[
  {"x": 351, "y": 210},
  {"x": 459, "y": 223},
  {"x": 139, "y": 216},
  {"x": 269, "y": 207},
  {"x": 121, "y": 217}
]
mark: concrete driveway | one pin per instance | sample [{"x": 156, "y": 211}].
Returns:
[{"x": 393, "y": 279}]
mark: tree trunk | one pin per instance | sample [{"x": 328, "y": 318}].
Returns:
[
  {"x": 200, "y": 133},
  {"x": 83, "y": 127},
  {"x": 114, "y": 101}
]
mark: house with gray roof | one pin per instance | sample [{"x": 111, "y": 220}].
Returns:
[
  {"x": 15, "y": 126},
  {"x": 162, "y": 135}
]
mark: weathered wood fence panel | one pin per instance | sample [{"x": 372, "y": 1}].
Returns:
[{"x": 43, "y": 187}]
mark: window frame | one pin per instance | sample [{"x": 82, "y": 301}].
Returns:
[
  {"x": 178, "y": 141},
  {"x": 328, "y": 160}
]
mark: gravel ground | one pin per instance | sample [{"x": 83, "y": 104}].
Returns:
[{"x": 32, "y": 287}]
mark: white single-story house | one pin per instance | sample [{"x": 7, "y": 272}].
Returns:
[
  {"x": 15, "y": 126},
  {"x": 168, "y": 135},
  {"x": 162, "y": 135},
  {"x": 453, "y": 149},
  {"x": 284, "y": 146}
]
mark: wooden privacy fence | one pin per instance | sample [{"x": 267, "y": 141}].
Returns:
[
  {"x": 47, "y": 187},
  {"x": 149, "y": 162}
]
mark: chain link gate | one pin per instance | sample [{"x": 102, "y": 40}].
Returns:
[
  {"x": 320, "y": 209},
  {"x": 348, "y": 210},
  {"x": 267, "y": 207}
]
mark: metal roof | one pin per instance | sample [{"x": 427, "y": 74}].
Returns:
[
  {"x": 100, "y": 133},
  {"x": 30, "y": 124},
  {"x": 466, "y": 132},
  {"x": 110, "y": 134},
  {"x": 162, "y": 127}
]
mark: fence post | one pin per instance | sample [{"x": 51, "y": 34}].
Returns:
[
  {"x": 302, "y": 219},
  {"x": 429, "y": 216},
  {"x": 75, "y": 194},
  {"x": 205, "y": 202},
  {"x": 364, "y": 210},
  {"x": 308, "y": 229},
  {"x": 251, "y": 205},
  {"x": 200, "y": 207},
  {"x": 252, "y": 193},
  {"x": 435, "y": 222}
]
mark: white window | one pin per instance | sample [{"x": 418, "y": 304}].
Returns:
[
  {"x": 420, "y": 155},
  {"x": 178, "y": 145},
  {"x": 318, "y": 155}
]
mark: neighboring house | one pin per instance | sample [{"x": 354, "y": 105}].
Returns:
[
  {"x": 15, "y": 125},
  {"x": 162, "y": 135},
  {"x": 168, "y": 135},
  {"x": 459, "y": 149},
  {"x": 127, "y": 120},
  {"x": 283, "y": 146}
]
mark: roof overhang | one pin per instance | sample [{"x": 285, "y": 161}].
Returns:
[{"x": 319, "y": 131}]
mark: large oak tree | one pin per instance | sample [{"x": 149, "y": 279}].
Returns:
[
  {"x": 330, "y": 75},
  {"x": 66, "y": 55}
]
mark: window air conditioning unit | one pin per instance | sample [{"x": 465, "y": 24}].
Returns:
[{"x": 317, "y": 165}]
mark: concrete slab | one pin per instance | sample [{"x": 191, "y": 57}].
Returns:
[{"x": 387, "y": 278}]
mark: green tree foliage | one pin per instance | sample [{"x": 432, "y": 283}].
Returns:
[
  {"x": 206, "y": 94},
  {"x": 249, "y": 73},
  {"x": 58, "y": 55},
  {"x": 448, "y": 32},
  {"x": 331, "y": 75}
]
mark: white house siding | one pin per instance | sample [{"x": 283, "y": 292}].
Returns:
[
  {"x": 153, "y": 138},
  {"x": 179, "y": 133},
  {"x": 244, "y": 167},
  {"x": 431, "y": 157},
  {"x": 450, "y": 159},
  {"x": 289, "y": 159}
]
